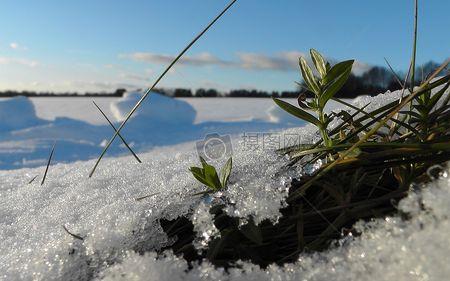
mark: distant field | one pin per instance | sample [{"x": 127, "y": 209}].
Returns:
[{"x": 208, "y": 109}]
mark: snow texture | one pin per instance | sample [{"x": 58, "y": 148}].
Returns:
[
  {"x": 120, "y": 235},
  {"x": 116, "y": 228}
]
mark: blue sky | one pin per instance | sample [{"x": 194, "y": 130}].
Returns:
[{"x": 99, "y": 45}]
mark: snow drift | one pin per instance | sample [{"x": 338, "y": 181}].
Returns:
[
  {"x": 157, "y": 108},
  {"x": 18, "y": 113}
]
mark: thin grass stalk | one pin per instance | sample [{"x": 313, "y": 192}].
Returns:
[
  {"x": 394, "y": 127},
  {"x": 394, "y": 74},
  {"x": 48, "y": 163},
  {"x": 388, "y": 146},
  {"x": 414, "y": 50},
  {"x": 71, "y": 234},
  {"x": 120, "y": 136},
  {"x": 32, "y": 180},
  {"x": 146, "y": 196},
  {"x": 148, "y": 91}
]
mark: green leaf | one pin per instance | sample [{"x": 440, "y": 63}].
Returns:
[
  {"x": 225, "y": 172},
  {"x": 198, "y": 173},
  {"x": 203, "y": 161},
  {"x": 211, "y": 177},
  {"x": 308, "y": 76},
  {"x": 333, "y": 86},
  {"x": 297, "y": 112},
  {"x": 319, "y": 62},
  {"x": 337, "y": 70}
]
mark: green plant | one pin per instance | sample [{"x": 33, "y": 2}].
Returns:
[
  {"x": 324, "y": 87},
  {"x": 208, "y": 175},
  {"x": 376, "y": 157}
]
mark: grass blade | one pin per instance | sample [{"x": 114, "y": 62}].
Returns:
[
  {"x": 120, "y": 136},
  {"x": 71, "y": 234},
  {"x": 148, "y": 91},
  {"x": 48, "y": 163},
  {"x": 413, "y": 58},
  {"x": 394, "y": 74},
  {"x": 146, "y": 196},
  {"x": 32, "y": 180}
]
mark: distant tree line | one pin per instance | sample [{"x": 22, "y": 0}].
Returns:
[
  {"x": 374, "y": 81},
  {"x": 12, "y": 93}
]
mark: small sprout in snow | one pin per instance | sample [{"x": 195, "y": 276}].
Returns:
[{"x": 208, "y": 175}]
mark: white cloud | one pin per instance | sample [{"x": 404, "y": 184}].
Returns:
[
  {"x": 283, "y": 61},
  {"x": 16, "y": 46},
  {"x": 201, "y": 59},
  {"x": 133, "y": 76},
  {"x": 18, "y": 61}
]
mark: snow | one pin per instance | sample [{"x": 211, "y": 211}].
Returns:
[
  {"x": 160, "y": 109},
  {"x": 26, "y": 135},
  {"x": 9, "y": 110},
  {"x": 117, "y": 229},
  {"x": 207, "y": 109}
]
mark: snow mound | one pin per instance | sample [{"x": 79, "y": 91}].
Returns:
[
  {"x": 156, "y": 108},
  {"x": 18, "y": 113}
]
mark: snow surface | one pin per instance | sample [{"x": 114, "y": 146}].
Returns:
[
  {"x": 207, "y": 109},
  {"x": 26, "y": 137},
  {"x": 10, "y": 108},
  {"x": 116, "y": 227},
  {"x": 161, "y": 108}
]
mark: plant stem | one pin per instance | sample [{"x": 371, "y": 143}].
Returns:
[{"x": 323, "y": 128}]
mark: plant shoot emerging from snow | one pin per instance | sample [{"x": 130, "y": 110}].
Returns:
[{"x": 208, "y": 175}]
